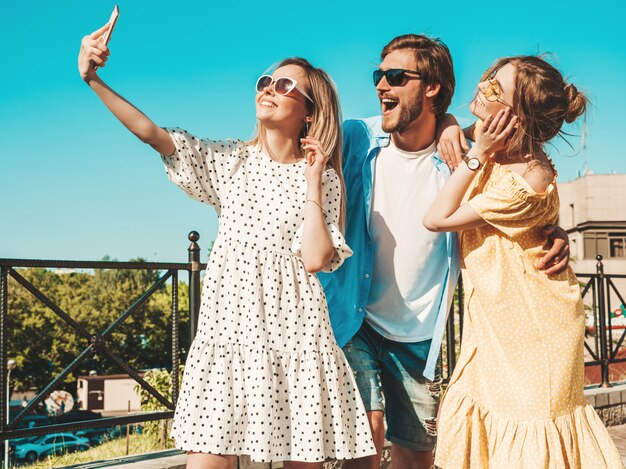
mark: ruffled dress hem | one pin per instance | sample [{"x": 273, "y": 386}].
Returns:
[
  {"x": 255, "y": 457},
  {"x": 473, "y": 436},
  {"x": 311, "y": 426}
]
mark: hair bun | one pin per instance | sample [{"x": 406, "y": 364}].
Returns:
[{"x": 576, "y": 103}]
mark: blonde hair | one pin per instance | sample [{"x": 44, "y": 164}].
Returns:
[{"x": 325, "y": 113}]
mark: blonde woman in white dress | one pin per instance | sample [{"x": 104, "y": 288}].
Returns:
[{"x": 264, "y": 376}]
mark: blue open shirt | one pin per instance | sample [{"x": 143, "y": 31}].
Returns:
[{"x": 347, "y": 289}]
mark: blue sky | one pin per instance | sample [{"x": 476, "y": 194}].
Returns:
[{"x": 76, "y": 185}]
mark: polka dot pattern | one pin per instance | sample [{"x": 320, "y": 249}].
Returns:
[
  {"x": 264, "y": 376},
  {"x": 516, "y": 399}
]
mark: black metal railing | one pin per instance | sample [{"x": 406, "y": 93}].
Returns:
[
  {"x": 602, "y": 345},
  {"x": 98, "y": 342},
  {"x": 606, "y": 344},
  {"x": 452, "y": 343},
  {"x": 597, "y": 290}
]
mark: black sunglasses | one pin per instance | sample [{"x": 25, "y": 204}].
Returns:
[{"x": 395, "y": 76}]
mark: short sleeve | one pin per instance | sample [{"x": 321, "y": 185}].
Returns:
[
  {"x": 509, "y": 207},
  {"x": 202, "y": 168},
  {"x": 331, "y": 189}
]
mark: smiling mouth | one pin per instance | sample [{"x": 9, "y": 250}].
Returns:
[
  {"x": 266, "y": 103},
  {"x": 479, "y": 101},
  {"x": 387, "y": 105}
]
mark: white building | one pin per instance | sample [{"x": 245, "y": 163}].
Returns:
[
  {"x": 108, "y": 394},
  {"x": 593, "y": 212}
]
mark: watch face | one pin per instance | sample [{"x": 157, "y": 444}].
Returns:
[{"x": 473, "y": 164}]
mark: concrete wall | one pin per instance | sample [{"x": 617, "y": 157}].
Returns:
[
  {"x": 590, "y": 201},
  {"x": 594, "y": 197},
  {"x": 117, "y": 393}
]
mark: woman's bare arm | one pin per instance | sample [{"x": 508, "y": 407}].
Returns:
[{"x": 94, "y": 52}]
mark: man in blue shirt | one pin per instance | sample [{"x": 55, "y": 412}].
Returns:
[{"x": 388, "y": 303}]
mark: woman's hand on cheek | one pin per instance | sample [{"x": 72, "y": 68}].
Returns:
[{"x": 492, "y": 135}]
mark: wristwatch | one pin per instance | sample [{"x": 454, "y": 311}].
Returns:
[{"x": 471, "y": 162}]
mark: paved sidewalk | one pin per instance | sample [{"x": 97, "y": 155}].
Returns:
[
  {"x": 167, "y": 459},
  {"x": 618, "y": 433},
  {"x": 172, "y": 459},
  {"x": 175, "y": 459}
]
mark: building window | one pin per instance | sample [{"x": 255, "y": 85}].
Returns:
[
  {"x": 596, "y": 243},
  {"x": 608, "y": 245},
  {"x": 617, "y": 245}
]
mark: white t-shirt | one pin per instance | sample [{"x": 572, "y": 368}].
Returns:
[{"x": 406, "y": 289}]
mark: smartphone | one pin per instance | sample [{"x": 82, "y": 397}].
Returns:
[{"x": 106, "y": 37}]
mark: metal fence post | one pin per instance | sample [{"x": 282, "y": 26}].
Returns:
[
  {"x": 194, "y": 282},
  {"x": 461, "y": 299},
  {"x": 4, "y": 404},
  {"x": 450, "y": 341},
  {"x": 604, "y": 361},
  {"x": 175, "y": 338}
]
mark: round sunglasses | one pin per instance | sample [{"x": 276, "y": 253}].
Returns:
[
  {"x": 395, "y": 76},
  {"x": 493, "y": 91},
  {"x": 282, "y": 86}
]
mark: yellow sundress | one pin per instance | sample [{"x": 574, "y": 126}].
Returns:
[{"x": 515, "y": 399}]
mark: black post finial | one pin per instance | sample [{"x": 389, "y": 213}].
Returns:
[
  {"x": 605, "y": 324},
  {"x": 194, "y": 282}
]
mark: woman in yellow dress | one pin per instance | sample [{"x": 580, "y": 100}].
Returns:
[{"x": 515, "y": 399}]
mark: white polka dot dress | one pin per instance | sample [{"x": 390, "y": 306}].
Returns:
[
  {"x": 515, "y": 399},
  {"x": 264, "y": 376}
]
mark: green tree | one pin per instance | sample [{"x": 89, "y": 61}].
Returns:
[
  {"x": 43, "y": 344},
  {"x": 161, "y": 380}
]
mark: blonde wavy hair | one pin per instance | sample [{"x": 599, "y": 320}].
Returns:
[{"x": 325, "y": 113}]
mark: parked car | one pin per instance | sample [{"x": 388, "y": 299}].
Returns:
[
  {"x": 21, "y": 441},
  {"x": 97, "y": 436},
  {"x": 55, "y": 443},
  {"x": 29, "y": 421}
]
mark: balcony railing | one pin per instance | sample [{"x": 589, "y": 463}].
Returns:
[
  {"x": 597, "y": 290},
  {"x": 98, "y": 342}
]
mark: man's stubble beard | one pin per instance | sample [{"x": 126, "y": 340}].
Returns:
[{"x": 408, "y": 114}]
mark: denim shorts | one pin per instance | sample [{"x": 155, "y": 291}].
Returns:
[{"x": 389, "y": 377}]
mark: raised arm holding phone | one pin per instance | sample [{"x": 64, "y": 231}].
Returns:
[{"x": 94, "y": 53}]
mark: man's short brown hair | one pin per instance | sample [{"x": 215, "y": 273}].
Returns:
[{"x": 433, "y": 62}]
